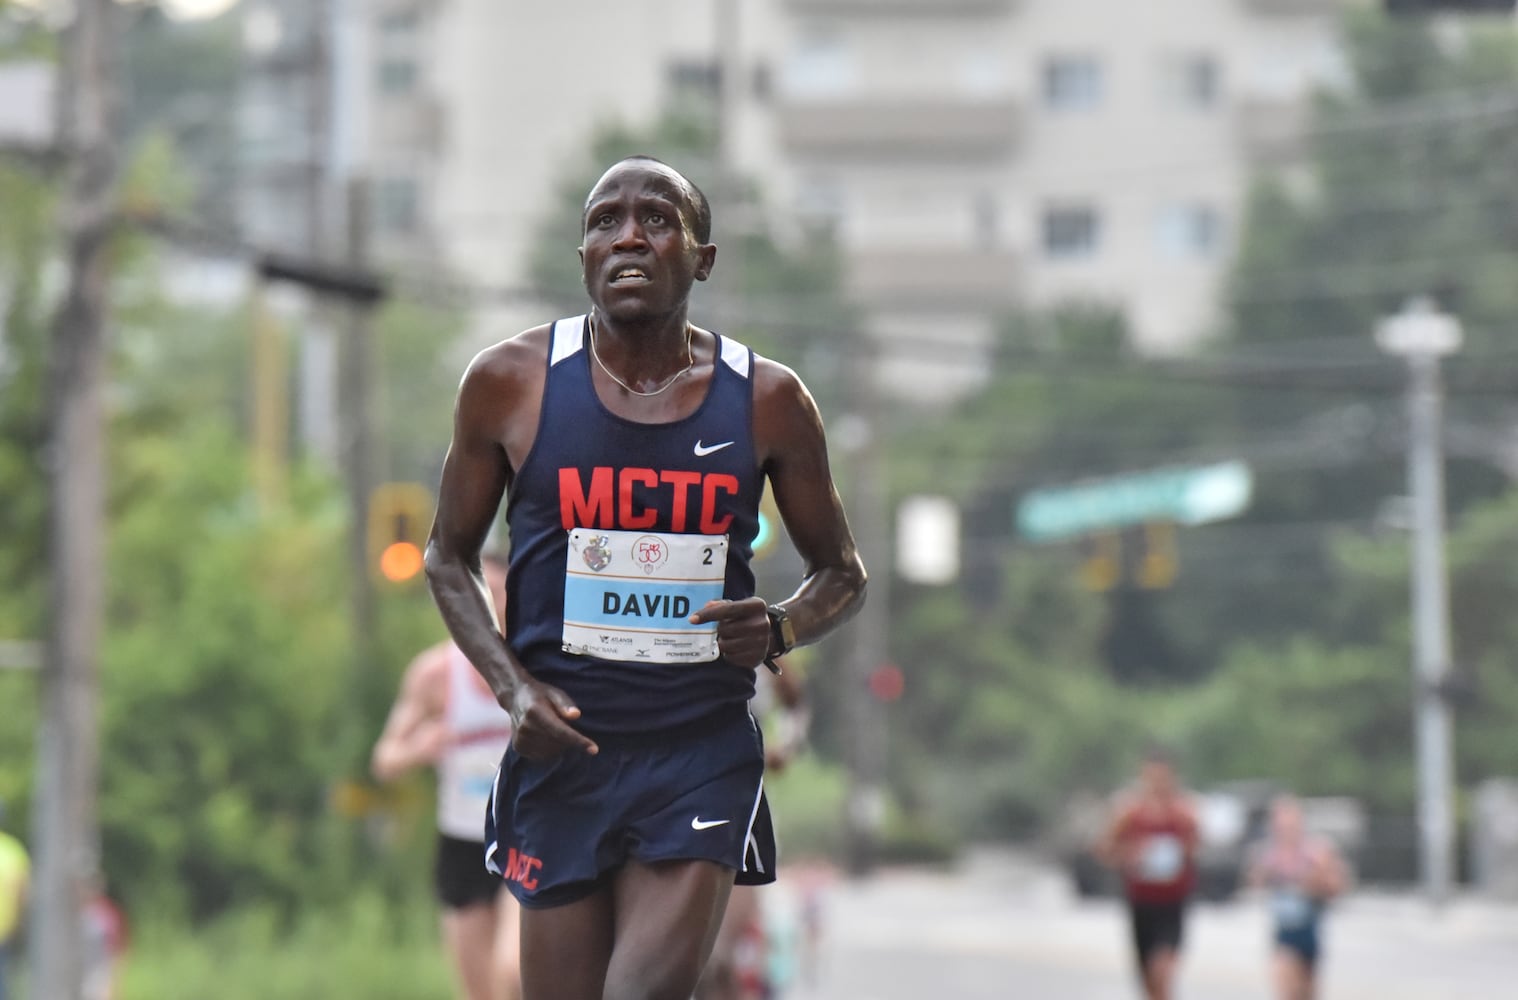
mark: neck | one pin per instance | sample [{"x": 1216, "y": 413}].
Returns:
[{"x": 644, "y": 359}]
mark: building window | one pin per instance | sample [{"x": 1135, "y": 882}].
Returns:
[
  {"x": 397, "y": 77},
  {"x": 701, "y": 78},
  {"x": 396, "y": 206},
  {"x": 1188, "y": 231},
  {"x": 1072, "y": 83},
  {"x": 1071, "y": 232},
  {"x": 1191, "y": 81}
]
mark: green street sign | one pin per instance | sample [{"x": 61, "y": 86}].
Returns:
[{"x": 1194, "y": 495}]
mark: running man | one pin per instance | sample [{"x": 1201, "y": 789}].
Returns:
[
  {"x": 1152, "y": 841},
  {"x": 1301, "y": 873},
  {"x": 445, "y": 717},
  {"x": 634, "y": 447}
]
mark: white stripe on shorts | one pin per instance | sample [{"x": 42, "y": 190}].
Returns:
[{"x": 749, "y": 843}]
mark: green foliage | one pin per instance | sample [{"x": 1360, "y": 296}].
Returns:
[
  {"x": 362, "y": 948},
  {"x": 418, "y": 377}
]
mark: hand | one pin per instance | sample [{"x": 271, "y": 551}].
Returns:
[
  {"x": 743, "y": 629},
  {"x": 541, "y": 718}
]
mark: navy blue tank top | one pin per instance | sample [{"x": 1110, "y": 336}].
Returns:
[{"x": 591, "y": 469}]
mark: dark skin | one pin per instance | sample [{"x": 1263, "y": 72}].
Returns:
[{"x": 641, "y": 257}]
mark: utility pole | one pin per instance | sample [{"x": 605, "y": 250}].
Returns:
[
  {"x": 66, "y": 827},
  {"x": 1422, "y": 335},
  {"x": 354, "y": 400}
]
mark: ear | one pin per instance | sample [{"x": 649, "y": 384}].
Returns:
[
  {"x": 706, "y": 258},
  {"x": 581, "y": 252}
]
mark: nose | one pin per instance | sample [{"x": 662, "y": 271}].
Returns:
[{"x": 629, "y": 235}]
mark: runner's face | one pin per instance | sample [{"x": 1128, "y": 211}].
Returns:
[{"x": 641, "y": 254}]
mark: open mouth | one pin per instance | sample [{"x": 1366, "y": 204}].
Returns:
[{"x": 629, "y": 276}]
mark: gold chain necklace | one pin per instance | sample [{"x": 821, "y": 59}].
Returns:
[{"x": 690, "y": 361}]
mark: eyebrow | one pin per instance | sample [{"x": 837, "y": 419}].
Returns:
[{"x": 670, "y": 199}]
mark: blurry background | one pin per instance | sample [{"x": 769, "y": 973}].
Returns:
[{"x": 1087, "y": 291}]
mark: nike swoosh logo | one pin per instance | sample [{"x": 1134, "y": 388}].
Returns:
[
  {"x": 706, "y": 824},
  {"x": 703, "y": 451}
]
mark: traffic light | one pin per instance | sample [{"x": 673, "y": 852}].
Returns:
[
  {"x": 400, "y": 516},
  {"x": 1158, "y": 566},
  {"x": 1102, "y": 562}
]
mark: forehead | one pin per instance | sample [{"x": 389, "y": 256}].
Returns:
[{"x": 639, "y": 177}]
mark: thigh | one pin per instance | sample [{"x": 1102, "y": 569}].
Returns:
[
  {"x": 667, "y": 914},
  {"x": 565, "y": 949}
]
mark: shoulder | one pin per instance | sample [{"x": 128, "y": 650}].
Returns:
[
  {"x": 777, "y": 383},
  {"x": 510, "y": 363}
]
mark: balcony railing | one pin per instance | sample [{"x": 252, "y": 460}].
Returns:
[
  {"x": 911, "y": 127},
  {"x": 932, "y": 276}
]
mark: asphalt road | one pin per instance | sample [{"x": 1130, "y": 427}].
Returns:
[{"x": 1004, "y": 928}]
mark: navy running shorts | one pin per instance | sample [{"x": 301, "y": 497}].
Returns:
[{"x": 558, "y": 829}]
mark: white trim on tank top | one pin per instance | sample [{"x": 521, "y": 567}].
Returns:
[
  {"x": 736, "y": 356},
  {"x": 568, "y": 339}
]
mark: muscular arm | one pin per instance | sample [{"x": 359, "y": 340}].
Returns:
[
  {"x": 496, "y": 413},
  {"x": 416, "y": 728},
  {"x": 792, "y": 450}
]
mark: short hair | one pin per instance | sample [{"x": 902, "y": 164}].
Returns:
[{"x": 698, "y": 200}]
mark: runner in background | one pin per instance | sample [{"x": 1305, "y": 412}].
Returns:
[
  {"x": 1301, "y": 873},
  {"x": 1152, "y": 842},
  {"x": 105, "y": 943},
  {"x": 445, "y": 717}
]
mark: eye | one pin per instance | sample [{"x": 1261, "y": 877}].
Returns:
[
  {"x": 605, "y": 219},
  {"x": 656, "y": 218}
]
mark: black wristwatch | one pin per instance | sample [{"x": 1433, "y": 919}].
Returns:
[{"x": 782, "y": 635}]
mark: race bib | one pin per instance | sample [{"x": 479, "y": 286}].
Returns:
[
  {"x": 1161, "y": 859},
  {"x": 628, "y": 595}
]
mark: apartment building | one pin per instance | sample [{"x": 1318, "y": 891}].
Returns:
[
  {"x": 966, "y": 155},
  {"x": 973, "y": 154}
]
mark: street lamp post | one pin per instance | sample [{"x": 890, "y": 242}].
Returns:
[{"x": 1422, "y": 335}]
